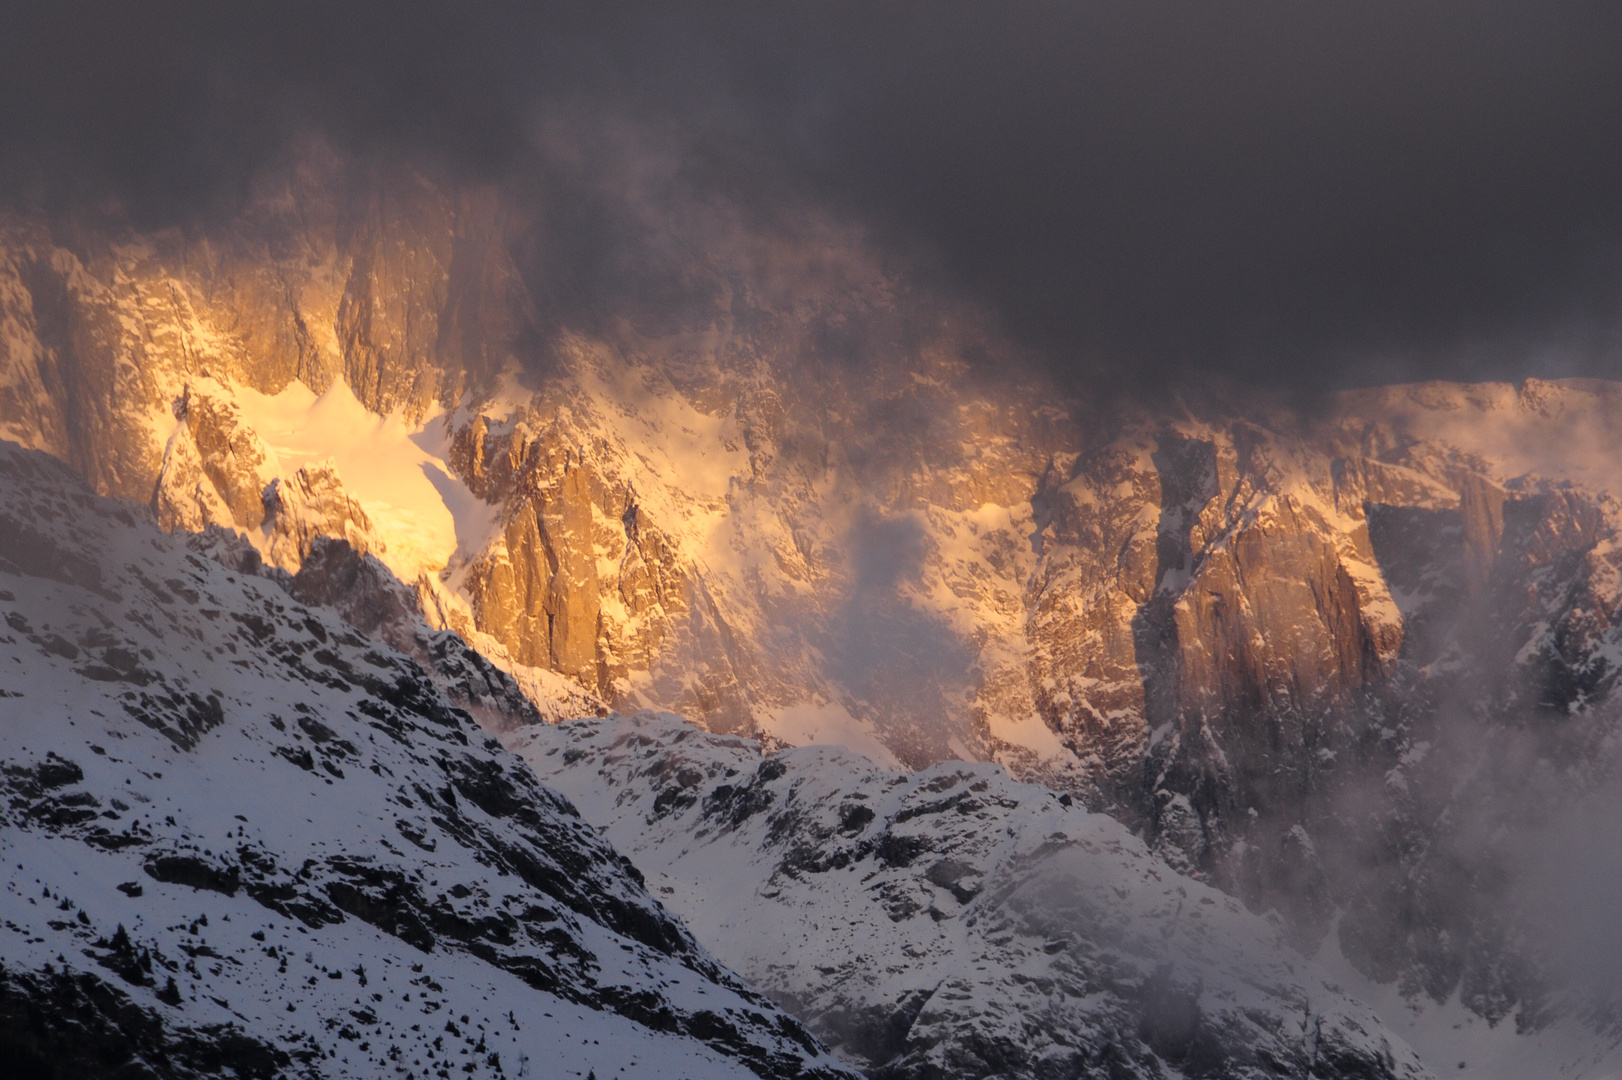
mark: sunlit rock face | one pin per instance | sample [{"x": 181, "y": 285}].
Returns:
[
  {"x": 536, "y": 588},
  {"x": 308, "y": 505},
  {"x": 789, "y": 494},
  {"x": 215, "y": 467}
]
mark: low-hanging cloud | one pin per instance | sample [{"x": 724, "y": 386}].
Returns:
[{"x": 906, "y": 664}]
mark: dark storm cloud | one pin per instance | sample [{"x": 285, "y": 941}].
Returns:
[
  {"x": 1263, "y": 184},
  {"x": 1279, "y": 194}
]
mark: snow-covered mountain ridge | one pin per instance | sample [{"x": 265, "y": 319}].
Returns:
[
  {"x": 952, "y": 922},
  {"x": 242, "y": 839}
]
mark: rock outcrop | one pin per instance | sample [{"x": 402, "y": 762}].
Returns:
[
  {"x": 301, "y": 509},
  {"x": 535, "y": 589}
]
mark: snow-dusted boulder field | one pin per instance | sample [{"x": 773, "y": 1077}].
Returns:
[
  {"x": 952, "y": 922},
  {"x": 241, "y": 839}
]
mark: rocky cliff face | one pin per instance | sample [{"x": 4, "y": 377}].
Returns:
[
  {"x": 670, "y": 493},
  {"x": 789, "y": 506},
  {"x": 1304, "y": 657}
]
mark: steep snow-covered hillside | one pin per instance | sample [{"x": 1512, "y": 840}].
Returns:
[
  {"x": 241, "y": 837},
  {"x": 952, "y": 922}
]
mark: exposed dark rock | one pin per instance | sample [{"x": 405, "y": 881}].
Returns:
[{"x": 61, "y": 1026}]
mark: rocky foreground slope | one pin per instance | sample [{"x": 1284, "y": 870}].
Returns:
[
  {"x": 951, "y": 922},
  {"x": 240, "y": 838}
]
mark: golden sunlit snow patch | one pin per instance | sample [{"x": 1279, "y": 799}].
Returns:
[{"x": 394, "y": 468}]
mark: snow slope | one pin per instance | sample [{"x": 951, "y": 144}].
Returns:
[
  {"x": 240, "y": 836},
  {"x": 951, "y": 921}
]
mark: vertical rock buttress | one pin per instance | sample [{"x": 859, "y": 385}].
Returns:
[{"x": 539, "y": 594}]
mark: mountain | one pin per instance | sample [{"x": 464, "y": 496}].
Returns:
[
  {"x": 241, "y": 838},
  {"x": 951, "y": 922},
  {"x": 1339, "y": 663}
]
